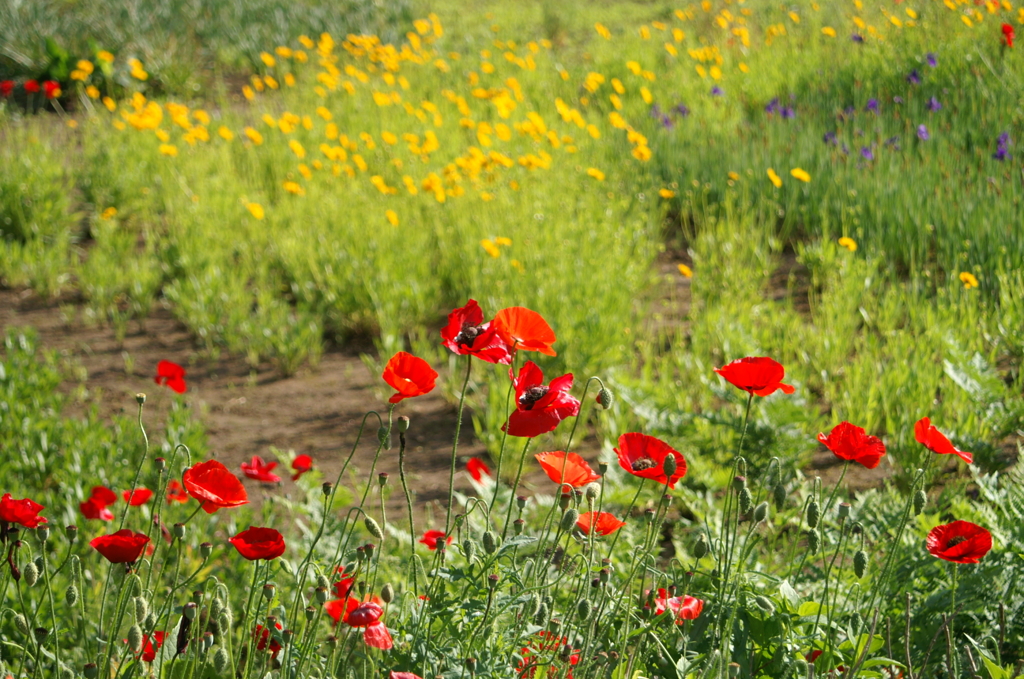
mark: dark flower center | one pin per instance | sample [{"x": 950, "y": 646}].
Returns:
[
  {"x": 643, "y": 463},
  {"x": 468, "y": 334},
  {"x": 532, "y": 395},
  {"x": 956, "y": 541}
]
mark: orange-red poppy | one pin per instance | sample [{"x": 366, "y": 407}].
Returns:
[
  {"x": 644, "y": 456},
  {"x": 409, "y": 375},
  {"x": 601, "y": 523},
  {"x": 934, "y": 440},
  {"x": 524, "y": 329},
  {"x": 758, "y": 375},
  {"x": 539, "y": 407},
  {"x": 850, "y": 442},
  {"x": 562, "y": 467},
  {"x": 959, "y": 542}
]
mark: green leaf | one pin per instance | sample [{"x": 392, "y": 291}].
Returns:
[
  {"x": 808, "y": 608},
  {"x": 789, "y": 596}
]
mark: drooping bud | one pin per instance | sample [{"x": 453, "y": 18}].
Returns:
[
  {"x": 920, "y": 500},
  {"x": 605, "y": 398},
  {"x": 761, "y": 512},
  {"x": 746, "y": 500},
  {"x": 700, "y": 548},
  {"x": 542, "y": 615},
  {"x": 490, "y": 542},
  {"x": 373, "y": 527},
  {"x": 221, "y": 660},
  {"x": 141, "y": 608},
  {"x": 387, "y": 593},
  {"x": 469, "y": 549},
  {"x": 860, "y": 563},
  {"x": 670, "y": 465},
  {"x": 855, "y": 623},
  {"x": 569, "y": 519},
  {"x": 403, "y": 424},
  {"x": 150, "y": 620},
  {"x": 813, "y": 541},
  {"x": 739, "y": 483},
  {"x": 583, "y": 610},
  {"x": 31, "y": 573},
  {"x": 779, "y": 496},
  {"x": 71, "y": 595},
  {"x": 135, "y": 639},
  {"x": 322, "y": 581},
  {"x": 20, "y": 623},
  {"x": 843, "y": 510},
  {"x": 813, "y": 514},
  {"x": 384, "y": 436},
  {"x": 765, "y": 604}
]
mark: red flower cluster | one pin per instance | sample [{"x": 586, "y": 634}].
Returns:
[
  {"x": 150, "y": 646},
  {"x": 51, "y": 88},
  {"x": 124, "y": 546},
  {"x": 934, "y": 440},
  {"x": 959, "y": 542},
  {"x": 301, "y": 464},
  {"x": 467, "y": 335},
  {"x": 850, "y": 442},
  {"x": 6, "y": 87},
  {"x": 478, "y": 469},
  {"x": 430, "y": 539},
  {"x": 264, "y": 640},
  {"x": 258, "y": 470},
  {"x": 259, "y": 543},
  {"x": 366, "y": 615},
  {"x": 601, "y": 523},
  {"x": 31, "y": 86},
  {"x": 409, "y": 375},
  {"x": 644, "y": 456},
  {"x": 214, "y": 486},
  {"x": 539, "y": 407},
  {"x": 541, "y": 643},
  {"x": 95, "y": 507},
  {"x": 171, "y": 375},
  {"x": 684, "y": 607},
  {"x": 1008, "y": 35},
  {"x": 567, "y": 468}
]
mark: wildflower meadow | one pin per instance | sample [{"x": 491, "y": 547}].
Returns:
[{"x": 720, "y": 305}]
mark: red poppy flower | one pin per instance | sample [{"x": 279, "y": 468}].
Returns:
[
  {"x": 258, "y": 470},
  {"x": 176, "y": 493},
  {"x": 409, "y": 375},
  {"x": 850, "y": 442},
  {"x": 344, "y": 586},
  {"x": 103, "y": 495},
  {"x": 259, "y": 543},
  {"x": 51, "y": 88},
  {"x": 262, "y": 635},
  {"x": 366, "y": 615},
  {"x": 935, "y": 441},
  {"x": 214, "y": 486},
  {"x": 467, "y": 334},
  {"x": 172, "y": 375},
  {"x": 137, "y": 497},
  {"x": 478, "y": 469},
  {"x": 94, "y": 509},
  {"x": 23, "y": 512},
  {"x": 1008, "y": 35},
  {"x": 540, "y": 643},
  {"x": 403, "y": 675},
  {"x": 6, "y": 87},
  {"x": 149, "y": 648},
  {"x": 601, "y": 523},
  {"x": 301, "y": 464},
  {"x": 430, "y": 539},
  {"x": 540, "y": 407},
  {"x": 124, "y": 546},
  {"x": 757, "y": 375},
  {"x": 644, "y": 456},
  {"x": 31, "y": 86},
  {"x": 684, "y": 607},
  {"x": 562, "y": 467},
  {"x": 959, "y": 542},
  {"x": 522, "y": 328}
]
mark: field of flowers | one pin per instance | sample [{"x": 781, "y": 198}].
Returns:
[{"x": 588, "y": 224}]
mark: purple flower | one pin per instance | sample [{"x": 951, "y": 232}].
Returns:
[
  {"x": 866, "y": 153},
  {"x": 830, "y": 138},
  {"x": 857, "y": 38},
  {"x": 872, "y": 106},
  {"x": 788, "y": 112},
  {"x": 913, "y": 78},
  {"x": 717, "y": 91},
  {"x": 1002, "y": 147},
  {"x": 682, "y": 110},
  {"x": 893, "y": 143},
  {"x": 932, "y": 60},
  {"x": 922, "y": 133},
  {"x": 655, "y": 111},
  {"x": 773, "y": 106},
  {"x": 934, "y": 105},
  {"x": 667, "y": 122},
  {"x": 849, "y": 111},
  {"x": 897, "y": 100}
]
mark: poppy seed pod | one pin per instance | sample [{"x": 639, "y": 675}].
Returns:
[
  {"x": 734, "y": 669},
  {"x": 140, "y": 398},
  {"x": 31, "y": 573},
  {"x": 160, "y": 464},
  {"x": 583, "y": 610},
  {"x": 761, "y": 512},
  {"x": 779, "y": 496},
  {"x": 387, "y": 593},
  {"x": 605, "y": 398},
  {"x": 563, "y": 501},
  {"x": 471, "y": 665},
  {"x": 327, "y": 488},
  {"x": 843, "y": 510},
  {"x": 208, "y": 640},
  {"x": 746, "y": 500},
  {"x": 178, "y": 530},
  {"x": 382, "y": 479},
  {"x": 518, "y": 525},
  {"x": 369, "y": 547},
  {"x": 739, "y": 483},
  {"x": 670, "y": 465},
  {"x": 310, "y": 613},
  {"x": 135, "y": 639},
  {"x": 373, "y": 527},
  {"x": 492, "y": 580},
  {"x": 602, "y": 468},
  {"x": 268, "y": 591},
  {"x": 604, "y": 574},
  {"x": 43, "y": 533},
  {"x": 700, "y": 548},
  {"x": 490, "y": 542},
  {"x": 41, "y": 634},
  {"x": 221, "y": 660},
  {"x": 189, "y": 611},
  {"x": 813, "y": 514},
  {"x": 860, "y": 563},
  {"x": 920, "y": 500},
  {"x": 71, "y": 533},
  {"x": 569, "y": 519},
  {"x": 521, "y": 502},
  {"x": 91, "y": 671},
  {"x": 403, "y": 424},
  {"x": 321, "y": 595},
  {"x": 813, "y": 541},
  {"x": 384, "y": 436},
  {"x": 71, "y": 595}
]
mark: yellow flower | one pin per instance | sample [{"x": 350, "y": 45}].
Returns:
[
  {"x": 667, "y": 193},
  {"x": 255, "y": 209},
  {"x": 911, "y": 13},
  {"x": 289, "y": 80},
  {"x": 392, "y": 217},
  {"x": 517, "y": 265},
  {"x": 72, "y": 123},
  {"x": 776, "y": 179},
  {"x": 79, "y": 75},
  {"x": 297, "y": 148},
  {"x": 848, "y": 243},
  {"x": 744, "y": 68},
  {"x": 267, "y": 59},
  {"x": 685, "y": 271},
  {"x": 294, "y": 188},
  {"x": 795, "y": 17},
  {"x": 108, "y": 213},
  {"x": 254, "y": 136},
  {"x": 104, "y": 55},
  {"x": 85, "y": 66},
  {"x": 225, "y": 133},
  {"x": 169, "y": 150},
  {"x": 642, "y": 153},
  {"x": 968, "y": 280},
  {"x": 800, "y": 174},
  {"x": 110, "y": 104},
  {"x": 734, "y": 176},
  {"x": 490, "y": 247},
  {"x": 163, "y": 136},
  {"x": 603, "y": 31},
  {"x": 596, "y": 174},
  {"x": 502, "y": 240},
  {"x": 283, "y": 52},
  {"x": 645, "y": 94},
  {"x": 92, "y": 92},
  {"x": 966, "y": 20},
  {"x": 248, "y": 93},
  {"x": 829, "y": 31},
  {"x": 119, "y": 125}
]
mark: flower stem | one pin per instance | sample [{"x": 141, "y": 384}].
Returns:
[
  {"x": 515, "y": 487},
  {"x": 455, "y": 450}
]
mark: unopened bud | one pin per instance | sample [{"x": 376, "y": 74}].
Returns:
[
  {"x": 71, "y": 595},
  {"x": 469, "y": 549},
  {"x": 189, "y": 610},
  {"x": 327, "y": 488},
  {"x": 135, "y": 639},
  {"x": 91, "y": 671},
  {"x": 205, "y": 550},
  {"x": 813, "y": 514},
  {"x": 583, "y": 610},
  {"x": 542, "y": 615},
  {"x": 761, "y": 512},
  {"x": 178, "y": 531},
  {"x": 373, "y": 527},
  {"x": 387, "y": 593},
  {"x": 746, "y": 500},
  {"x": 384, "y": 436},
  {"x": 700, "y": 548},
  {"x": 670, "y": 465},
  {"x": 382, "y": 479},
  {"x": 779, "y": 496},
  {"x": 71, "y": 533},
  {"x": 322, "y": 581},
  {"x": 20, "y": 623},
  {"x": 860, "y": 563},
  {"x": 920, "y": 500},
  {"x": 813, "y": 541},
  {"x": 403, "y": 424},
  {"x": 160, "y": 464},
  {"x": 221, "y": 660},
  {"x": 605, "y": 398},
  {"x": 140, "y": 398},
  {"x": 141, "y": 608},
  {"x": 569, "y": 519},
  {"x": 31, "y": 573},
  {"x": 518, "y": 526},
  {"x": 843, "y": 510},
  {"x": 765, "y": 604},
  {"x": 490, "y": 542},
  {"x": 739, "y": 483},
  {"x": 492, "y": 580}
]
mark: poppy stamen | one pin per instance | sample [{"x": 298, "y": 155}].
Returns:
[
  {"x": 643, "y": 463},
  {"x": 532, "y": 395},
  {"x": 467, "y": 336},
  {"x": 956, "y": 541}
]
